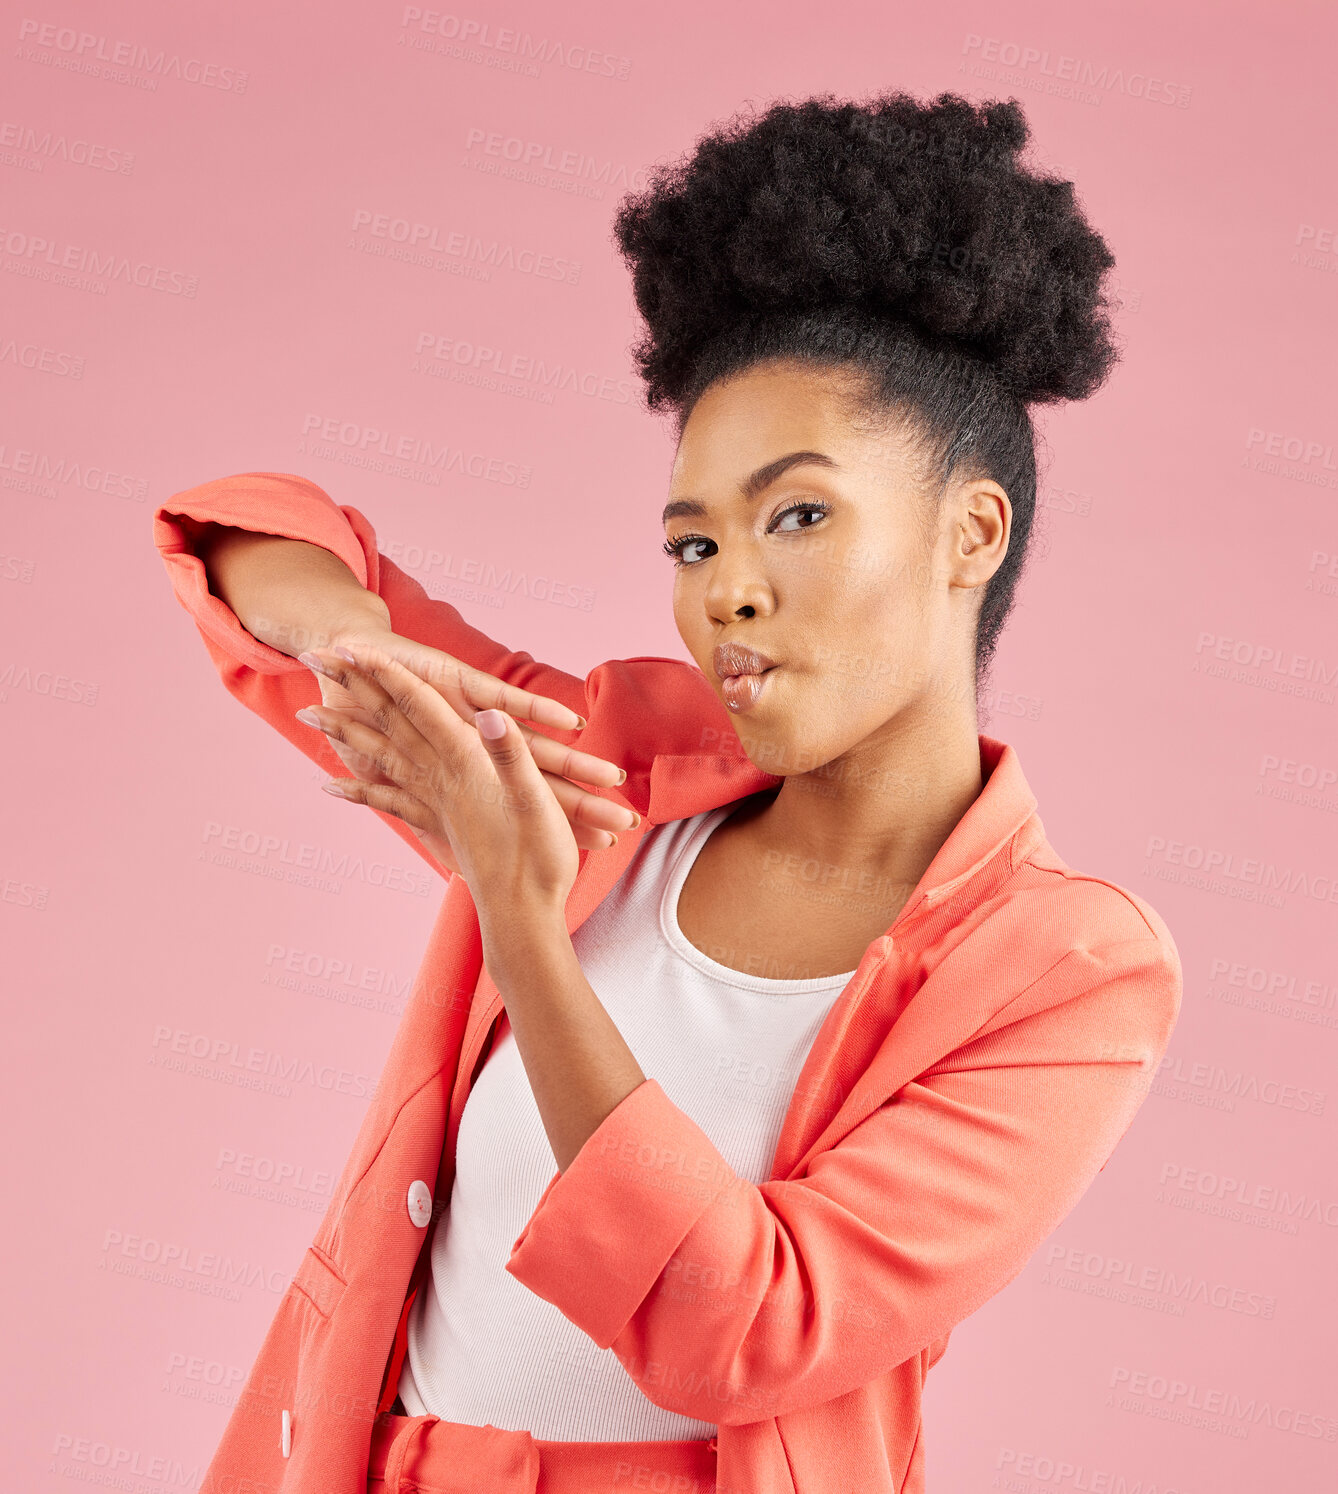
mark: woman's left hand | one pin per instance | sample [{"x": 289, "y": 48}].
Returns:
[{"x": 486, "y": 796}]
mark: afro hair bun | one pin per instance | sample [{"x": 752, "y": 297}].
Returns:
[{"x": 914, "y": 212}]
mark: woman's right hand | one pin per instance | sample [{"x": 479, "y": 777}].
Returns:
[{"x": 468, "y": 690}]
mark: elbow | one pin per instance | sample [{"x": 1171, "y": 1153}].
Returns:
[
  {"x": 724, "y": 1403},
  {"x": 686, "y": 1386}
]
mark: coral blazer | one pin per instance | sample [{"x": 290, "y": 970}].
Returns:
[{"x": 964, "y": 1090}]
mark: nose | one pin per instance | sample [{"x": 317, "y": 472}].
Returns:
[{"x": 738, "y": 587}]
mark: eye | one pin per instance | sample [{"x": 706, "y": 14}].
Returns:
[
  {"x": 798, "y": 508},
  {"x": 675, "y": 547}
]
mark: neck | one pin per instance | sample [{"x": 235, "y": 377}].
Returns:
[{"x": 884, "y": 807}]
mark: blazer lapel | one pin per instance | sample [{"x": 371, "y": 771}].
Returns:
[{"x": 921, "y": 1031}]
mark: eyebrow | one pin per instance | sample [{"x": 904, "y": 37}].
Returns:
[{"x": 755, "y": 483}]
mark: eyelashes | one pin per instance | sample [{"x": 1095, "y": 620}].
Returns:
[{"x": 675, "y": 547}]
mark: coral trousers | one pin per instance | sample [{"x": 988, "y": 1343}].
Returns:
[{"x": 426, "y": 1455}]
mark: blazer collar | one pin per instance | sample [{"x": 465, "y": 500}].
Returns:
[{"x": 685, "y": 784}]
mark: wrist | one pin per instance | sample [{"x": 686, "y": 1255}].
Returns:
[
  {"x": 523, "y": 937},
  {"x": 291, "y": 594},
  {"x": 358, "y": 616},
  {"x": 365, "y": 613}
]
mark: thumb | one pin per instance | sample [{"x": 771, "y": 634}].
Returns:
[
  {"x": 505, "y": 747},
  {"x": 517, "y": 771}
]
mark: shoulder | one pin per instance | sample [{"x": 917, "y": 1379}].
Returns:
[
  {"x": 1085, "y": 906},
  {"x": 1090, "y": 941}
]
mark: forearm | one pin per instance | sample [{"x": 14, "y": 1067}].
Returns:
[
  {"x": 576, "y": 1060},
  {"x": 287, "y": 593}
]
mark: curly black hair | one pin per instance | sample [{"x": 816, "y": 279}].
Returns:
[{"x": 899, "y": 239}]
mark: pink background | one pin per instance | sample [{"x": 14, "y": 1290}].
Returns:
[{"x": 1168, "y": 680}]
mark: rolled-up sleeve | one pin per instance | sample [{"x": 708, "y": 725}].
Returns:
[
  {"x": 732, "y": 1301},
  {"x": 295, "y": 507},
  {"x": 274, "y": 685},
  {"x": 266, "y": 503}
]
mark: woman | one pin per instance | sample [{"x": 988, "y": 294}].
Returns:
[{"x": 785, "y": 1035}]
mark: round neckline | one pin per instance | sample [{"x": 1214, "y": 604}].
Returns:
[{"x": 686, "y": 950}]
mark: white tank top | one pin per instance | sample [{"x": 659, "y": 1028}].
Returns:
[{"x": 725, "y": 1046}]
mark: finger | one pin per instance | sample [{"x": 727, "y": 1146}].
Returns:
[
  {"x": 401, "y": 706},
  {"x": 370, "y": 755},
  {"x": 486, "y": 692},
  {"x": 550, "y": 755},
  {"x": 586, "y": 810},
  {"x": 511, "y": 756},
  {"x": 480, "y": 690},
  {"x": 376, "y": 678},
  {"x": 386, "y": 797},
  {"x": 335, "y": 697},
  {"x": 416, "y": 816},
  {"x": 571, "y": 762},
  {"x": 386, "y": 763},
  {"x": 521, "y": 780},
  {"x": 468, "y": 691},
  {"x": 357, "y": 764}
]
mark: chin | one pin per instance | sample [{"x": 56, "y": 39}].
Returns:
[{"x": 777, "y": 751}]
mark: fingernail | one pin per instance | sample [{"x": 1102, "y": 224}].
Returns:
[
  {"x": 491, "y": 724},
  {"x": 636, "y": 820},
  {"x": 335, "y": 788},
  {"x": 581, "y": 723},
  {"x": 312, "y": 662},
  {"x": 623, "y": 778},
  {"x": 307, "y": 716},
  {"x": 344, "y": 654}
]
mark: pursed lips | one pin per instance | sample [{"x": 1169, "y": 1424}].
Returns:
[
  {"x": 734, "y": 659},
  {"x": 742, "y": 671}
]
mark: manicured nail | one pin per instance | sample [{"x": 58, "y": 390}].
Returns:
[
  {"x": 307, "y": 716},
  {"x": 335, "y": 788},
  {"x": 623, "y": 778},
  {"x": 636, "y": 820},
  {"x": 491, "y": 724},
  {"x": 344, "y": 653},
  {"x": 312, "y": 662}
]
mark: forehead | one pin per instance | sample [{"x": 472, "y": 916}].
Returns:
[{"x": 742, "y": 422}]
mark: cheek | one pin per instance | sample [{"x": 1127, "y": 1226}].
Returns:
[
  {"x": 689, "y": 618},
  {"x": 866, "y": 633},
  {"x": 682, "y": 612}
]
